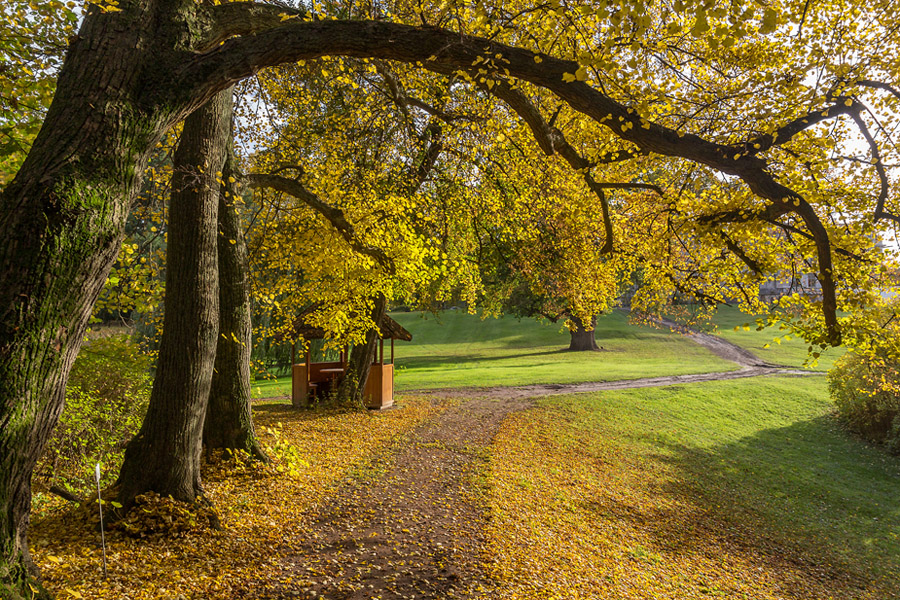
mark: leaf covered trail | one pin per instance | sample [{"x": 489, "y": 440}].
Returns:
[{"x": 411, "y": 527}]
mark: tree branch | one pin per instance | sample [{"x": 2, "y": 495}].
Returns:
[
  {"x": 739, "y": 252},
  {"x": 223, "y": 21},
  {"x": 551, "y": 140},
  {"x": 789, "y": 130},
  {"x": 880, "y": 211},
  {"x": 333, "y": 215},
  {"x": 879, "y": 86},
  {"x": 441, "y": 51}
]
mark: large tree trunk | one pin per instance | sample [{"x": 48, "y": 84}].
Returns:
[
  {"x": 61, "y": 222},
  {"x": 582, "y": 338},
  {"x": 164, "y": 456},
  {"x": 350, "y": 391},
  {"x": 228, "y": 420}
]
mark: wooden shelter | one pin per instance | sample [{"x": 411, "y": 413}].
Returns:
[{"x": 310, "y": 379}]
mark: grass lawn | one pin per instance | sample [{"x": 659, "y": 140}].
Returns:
[
  {"x": 791, "y": 352},
  {"x": 457, "y": 349},
  {"x": 739, "y": 489}
]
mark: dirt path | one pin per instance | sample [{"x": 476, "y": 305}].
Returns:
[
  {"x": 414, "y": 530},
  {"x": 412, "y": 525},
  {"x": 718, "y": 346}
]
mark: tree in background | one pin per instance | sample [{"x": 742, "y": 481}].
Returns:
[
  {"x": 33, "y": 39},
  {"x": 165, "y": 454}
]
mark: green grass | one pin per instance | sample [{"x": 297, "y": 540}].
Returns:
[
  {"x": 791, "y": 352},
  {"x": 765, "y": 453},
  {"x": 456, "y": 349}
]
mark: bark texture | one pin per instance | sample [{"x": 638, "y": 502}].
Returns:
[
  {"x": 582, "y": 339},
  {"x": 164, "y": 456},
  {"x": 61, "y": 222},
  {"x": 350, "y": 391},
  {"x": 229, "y": 423}
]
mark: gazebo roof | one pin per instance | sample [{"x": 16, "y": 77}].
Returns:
[{"x": 390, "y": 329}]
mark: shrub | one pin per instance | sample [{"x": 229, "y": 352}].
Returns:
[
  {"x": 866, "y": 392},
  {"x": 106, "y": 399}
]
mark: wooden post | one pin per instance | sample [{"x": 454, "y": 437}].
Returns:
[
  {"x": 382, "y": 351},
  {"x": 293, "y": 353},
  {"x": 392, "y": 350}
]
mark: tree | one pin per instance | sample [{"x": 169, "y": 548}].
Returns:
[
  {"x": 724, "y": 90},
  {"x": 32, "y": 43},
  {"x": 345, "y": 184},
  {"x": 228, "y": 421},
  {"x": 165, "y": 454}
]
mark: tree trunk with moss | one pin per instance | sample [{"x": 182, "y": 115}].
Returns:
[
  {"x": 61, "y": 222},
  {"x": 229, "y": 423},
  {"x": 164, "y": 456},
  {"x": 350, "y": 391},
  {"x": 583, "y": 339}
]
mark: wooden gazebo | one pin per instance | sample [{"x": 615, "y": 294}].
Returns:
[{"x": 309, "y": 379}]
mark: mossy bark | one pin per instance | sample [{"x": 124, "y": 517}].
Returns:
[
  {"x": 164, "y": 456},
  {"x": 229, "y": 423},
  {"x": 61, "y": 222}
]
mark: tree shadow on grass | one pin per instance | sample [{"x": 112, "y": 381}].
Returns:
[{"x": 808, "y": 500}]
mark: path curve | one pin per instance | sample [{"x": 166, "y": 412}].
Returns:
[{"x": 751, "y": 366}]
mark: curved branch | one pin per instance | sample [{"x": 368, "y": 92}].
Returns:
[
  {"x": 335, "y": 216},
  {"x": 842, "y": 106},
  {"x": 879, "y": 86},
  {"x": 446, "y": 51},
  {"x": 880, "y": 211},
  {"x": 826, "y": 268},
  {"x": 223, "y": 21},
  {"x": 551, "y": 140}
]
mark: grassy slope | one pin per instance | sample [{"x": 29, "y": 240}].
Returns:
[
  {"x": 742, "y": 488},
  {"x": 791, "y": 352},
  {"x": 458, "y": 349}
]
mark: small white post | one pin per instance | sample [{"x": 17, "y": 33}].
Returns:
[{"x": 100, "y": 506}]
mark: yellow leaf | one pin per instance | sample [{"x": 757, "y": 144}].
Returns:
[{"x": 701, "y": 25}]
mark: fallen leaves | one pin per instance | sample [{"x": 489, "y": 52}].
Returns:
[
  {"x": 577, "y": 515},
  {"x": 178, "y": 555}
]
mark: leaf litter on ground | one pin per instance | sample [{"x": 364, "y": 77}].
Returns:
[{"x": 165, "y": 549}]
